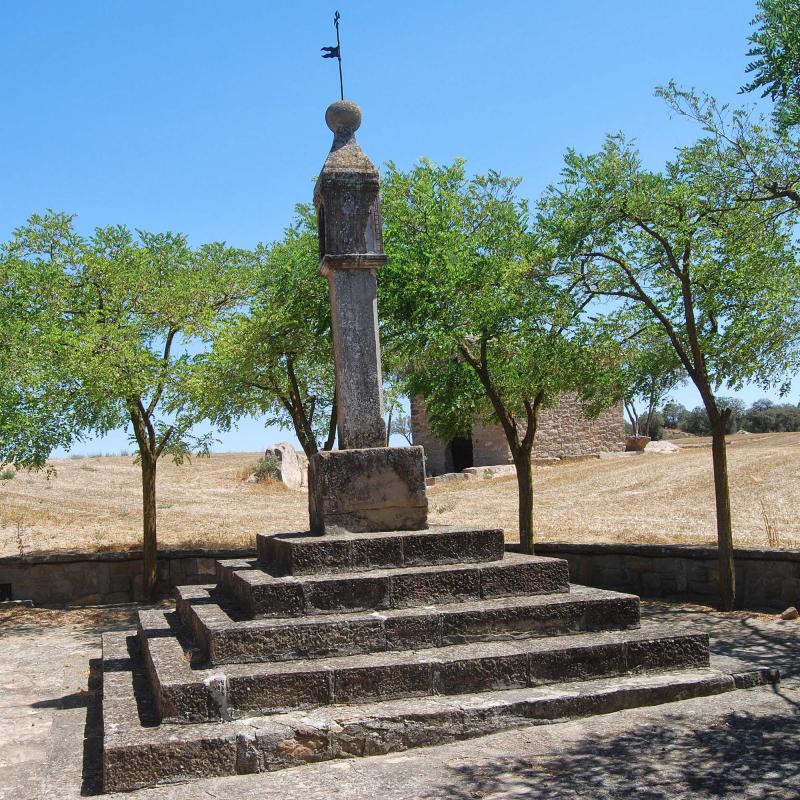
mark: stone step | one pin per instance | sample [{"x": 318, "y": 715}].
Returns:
[
  {"x": 223, "y": 639},
  {"x": 263, "y": 593},
  {"x": 306, "y": 554},
  {"x": 137, "y": 755},
  {"x": 188, "y": 694}
]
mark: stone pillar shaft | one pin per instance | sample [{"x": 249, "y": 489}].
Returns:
[{"x": 357, "y": 355}]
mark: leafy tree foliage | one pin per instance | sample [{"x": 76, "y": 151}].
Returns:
[
  {"x": 674, "y": 414},
  {"x": 117, "y": 313},
  {"x": 650, "y": 371},
  {"x": 38, "y": 407},
  {"x": 698, "y": 422},
  {"x": 775, "y": 48},
  {"x": 401, "y": 425},
  {"x": 473, "y": 321},
  {"x": 717, "y": 273},
  {"x": 274, "y": 356},
  {"x": 750, "y": 162},
  {"x": 764, "y": 416}
]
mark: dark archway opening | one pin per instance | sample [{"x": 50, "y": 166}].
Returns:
[{"x": 458, "y": 455}]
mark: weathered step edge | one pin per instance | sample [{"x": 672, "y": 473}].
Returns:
[
  {"x": 223, "y": 640},
  {"x": 136, "y": 757},
  {"x": 260, "y": 593},
  {"x": 306, "y": 554},
  {"x": 184, "y": 694}
]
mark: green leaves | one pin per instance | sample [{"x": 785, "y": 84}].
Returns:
[
  {"x": 775, "y": 49},
  {"x": 102, "y": 331},
  {"x": 274, "y": 356},
  {"x": 474, "y": 317},
  {"x": 692, "y": 247}
]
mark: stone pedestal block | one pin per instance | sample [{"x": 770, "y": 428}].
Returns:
[{"x": 367, "y": 490}]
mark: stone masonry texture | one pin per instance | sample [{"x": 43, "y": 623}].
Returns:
[
  {"x": 765, "y": 577},
  {"x": 370, "y": 489},
  {"x": 564, "y": 432},
  {"x": 351, "y": 250}
]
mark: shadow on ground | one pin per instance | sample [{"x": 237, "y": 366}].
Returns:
[
  {"x": 91, "y": 620},
  {"x": 738, "y": 755},
  {"x": 762, "y": 640}
]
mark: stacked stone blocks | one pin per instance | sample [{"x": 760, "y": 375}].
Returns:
[{"x": 357, "y": 643}]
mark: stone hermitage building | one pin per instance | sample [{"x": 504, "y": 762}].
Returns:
[
  {"x": 373, "y": 632},
  {"x": 564, "y": 431}
]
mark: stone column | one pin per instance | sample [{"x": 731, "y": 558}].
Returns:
[
  {"x": 364, "y": 485},
  {"x": 351, "y": 250}
]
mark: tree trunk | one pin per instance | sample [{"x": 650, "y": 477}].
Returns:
[
  {"x": 522, "y": 462},
  {"x": 149, "y": 541},
  {"x": 727, "y": 573}
]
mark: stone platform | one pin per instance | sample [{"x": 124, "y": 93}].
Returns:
[{"x": 356, "y": 644}]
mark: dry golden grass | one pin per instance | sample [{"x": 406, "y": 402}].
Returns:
[
  {"x": 94, "y": 503},
  {"x": 652, "y": 498}
]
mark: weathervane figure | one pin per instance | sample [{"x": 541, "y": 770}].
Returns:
[{"x": 336, "y": 52}]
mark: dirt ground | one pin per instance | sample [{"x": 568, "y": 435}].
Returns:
[{"x": 94, "y": 503}]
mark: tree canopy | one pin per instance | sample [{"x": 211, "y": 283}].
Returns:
[
  {"x": 775, "y": 50},
  {"x": 473, "y": 320},
  {"x": 111, "y": 319},
  {"x": 714, "y": 269},
  {"x": 274, "y": 356}
]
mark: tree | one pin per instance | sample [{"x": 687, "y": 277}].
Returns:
[
  {"x": 697, "y": 420},
  {"x": 775, "y": 46},
  {"x": 717, "y": 273},
  {"x": 394, "y": 408},
  {"x": 473, "y": 322},
  {"x": 650, "y": 371},
  {"x": 274, "y": 356},
  {"x": 126, "y": 308},
  {"x": 764, "y": 416},
  {"x": 401, "y": 425},
  {"x": 749, "y": 162},
  {"x": 674, "y": 414},
  {"x": 38, "y": 407}
]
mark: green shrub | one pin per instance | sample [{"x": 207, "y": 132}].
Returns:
[
  {"x": 267, "y": 469},
  {"x": 9, "y": 473}
]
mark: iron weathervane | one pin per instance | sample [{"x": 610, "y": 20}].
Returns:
[{"x": 336, "y": 52}]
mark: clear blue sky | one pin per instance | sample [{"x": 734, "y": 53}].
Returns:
[{"x": 207, "y": 118}]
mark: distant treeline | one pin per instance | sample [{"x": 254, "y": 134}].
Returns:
[{"x": 763, "y": 416}]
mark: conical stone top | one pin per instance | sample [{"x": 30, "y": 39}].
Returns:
[{"x": 344, "y": 118}]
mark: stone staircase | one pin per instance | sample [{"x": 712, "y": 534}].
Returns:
[{"x": 357, "y": 644}]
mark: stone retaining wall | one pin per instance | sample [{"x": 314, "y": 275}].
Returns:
[
  {"x": 766, "y": 578},
  {"x": 83, "y": 579}
]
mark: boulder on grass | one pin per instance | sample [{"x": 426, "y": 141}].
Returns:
[
  {"x": 661, "y": 447},
  {"x": 292, "y": 465}
]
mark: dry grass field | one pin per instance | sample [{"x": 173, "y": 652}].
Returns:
[{"x": 94, "y": 503}]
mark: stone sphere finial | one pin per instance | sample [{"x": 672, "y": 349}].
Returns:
[{"x": 343, "y": 116}]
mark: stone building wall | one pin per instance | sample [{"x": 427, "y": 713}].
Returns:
[
  {"x": 564, "y": 431},
  {"x": 421, "y": 435}
]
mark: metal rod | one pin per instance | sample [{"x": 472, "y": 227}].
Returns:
[{"x": 339, "y": 56}]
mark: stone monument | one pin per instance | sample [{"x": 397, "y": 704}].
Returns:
[
  {"x": 364, "y": 485},
  {"x": 373, "y": 632}
]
